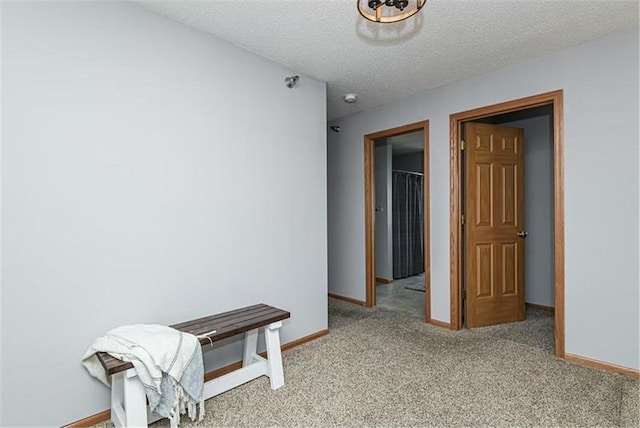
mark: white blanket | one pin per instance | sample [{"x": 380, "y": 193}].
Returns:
[{"x": 167, "y": 361}]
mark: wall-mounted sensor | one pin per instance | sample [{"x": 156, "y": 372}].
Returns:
[
  {"x": 350, "y": 98},
  {"x": 291, "y": 81},
  {"x": 335, "y": 128}
]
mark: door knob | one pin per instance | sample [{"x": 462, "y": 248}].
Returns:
[{"x": 523, "y": 234}]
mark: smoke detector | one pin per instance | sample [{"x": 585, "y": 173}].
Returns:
[{"x": 350, "y": 98}]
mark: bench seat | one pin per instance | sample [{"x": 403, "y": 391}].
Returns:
[
  {"x": 226, "y": 324},
  {"x": 128, "y": 400}
]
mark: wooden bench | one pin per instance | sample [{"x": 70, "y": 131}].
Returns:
[{"x": 128, "y": 399}]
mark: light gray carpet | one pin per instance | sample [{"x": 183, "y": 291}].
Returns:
[
  {"x": 536, "y": 331},
  {"x": 384, "y": 368}
]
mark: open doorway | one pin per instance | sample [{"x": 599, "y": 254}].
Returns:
[
  {"x": 397, "y": 219},
  {"x": 399, "y": 222},
  {"x": 498, "y": 181}
]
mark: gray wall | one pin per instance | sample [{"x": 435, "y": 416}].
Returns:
[
  {"x": 150, "y": 174},
  {"x": 538, "y": 184},
  {"x": 600, "y": 83},
  {"x": 384, "y": 228},
  {"x": 410, "y": 162}
]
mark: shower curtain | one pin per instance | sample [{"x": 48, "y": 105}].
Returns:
[{"x": 408, "y": 224}]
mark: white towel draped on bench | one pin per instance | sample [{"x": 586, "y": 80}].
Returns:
[{"x": 167, "y": 361}]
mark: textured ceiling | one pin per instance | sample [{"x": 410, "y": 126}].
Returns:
[{"x": 448, "y": 40}]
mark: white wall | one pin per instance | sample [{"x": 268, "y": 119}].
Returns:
[
  {"x": 600, "y": 83},
  {"x": 150, "y": 173},
  {"x": 1, "y": 186},
  {"x": 384, "y": 228},
  {"x": 538, "y": 217}
]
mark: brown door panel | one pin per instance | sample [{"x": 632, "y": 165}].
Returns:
[{"x": 495, "y": 214}]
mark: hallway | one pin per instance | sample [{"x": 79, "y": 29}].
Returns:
[{"x": 397, "y": 297}]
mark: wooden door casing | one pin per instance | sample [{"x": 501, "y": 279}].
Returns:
[{"x": 494, "y": 161}]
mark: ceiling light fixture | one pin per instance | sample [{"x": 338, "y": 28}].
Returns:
[{"x": 387, "y": 11}]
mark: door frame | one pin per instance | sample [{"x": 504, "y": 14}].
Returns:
[
  {"x": 369, "y": 210},
  {"x": 554, "y": 98}
]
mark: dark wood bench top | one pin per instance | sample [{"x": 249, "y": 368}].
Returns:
[{"x": 226, "y": 324}]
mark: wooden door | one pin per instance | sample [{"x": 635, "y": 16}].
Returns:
[{"x": 494, "y": 224}]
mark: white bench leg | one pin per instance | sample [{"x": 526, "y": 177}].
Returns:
[
  {"x": 250, "y": 347},
  {"x": 274, "y": 356},
  {"x": 128, "y": 400},
  {"x": 135, "y": 402},
  {"x": 117, "y": 400}
]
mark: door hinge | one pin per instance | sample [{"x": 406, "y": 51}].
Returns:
[
  {"x": 462, "y": 219},
  {"x": 464, "y": 294},
  {"x": 463, "y": 144}
]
